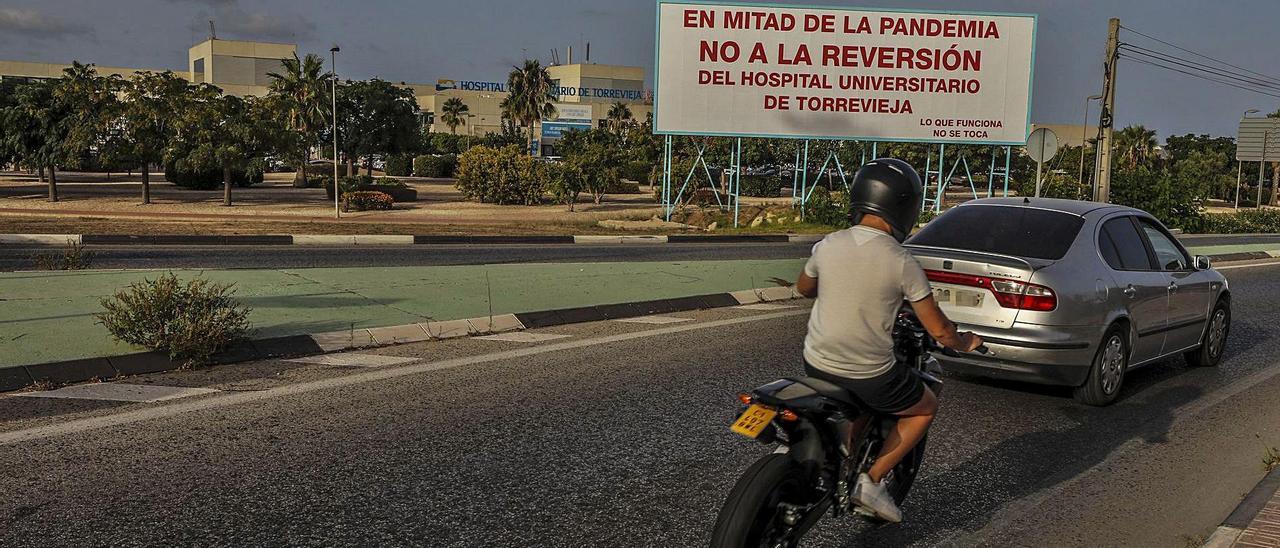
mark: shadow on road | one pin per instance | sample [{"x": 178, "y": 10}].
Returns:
[{"x": 966, "y": 497}]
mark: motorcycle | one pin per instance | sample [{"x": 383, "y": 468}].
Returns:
[{"x": 825, "y": 439}]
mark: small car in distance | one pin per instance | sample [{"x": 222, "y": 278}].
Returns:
[{"x": 1071, "y": 293}]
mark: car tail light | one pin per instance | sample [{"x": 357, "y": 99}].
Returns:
[{"x": 1008, "y": 293}]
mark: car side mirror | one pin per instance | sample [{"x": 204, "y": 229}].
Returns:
[{"x": 1203, "y": 262}]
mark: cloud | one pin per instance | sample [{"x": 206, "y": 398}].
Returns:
[
  {"x": 33, "y": 24},
  {"x": 233, "y": 21}
]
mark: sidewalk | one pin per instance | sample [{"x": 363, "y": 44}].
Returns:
[
  {"x": 1255, "y": 521},
  {"x": 48, "y": 316}
]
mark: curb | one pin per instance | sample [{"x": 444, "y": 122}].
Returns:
[
  {"x": 70, "y": 371},
  {"x": 1236, "y": 523},
  {"x": 392, "y": 239}
]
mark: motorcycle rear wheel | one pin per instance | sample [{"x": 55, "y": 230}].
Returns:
[{"x": 751, "y": 516}]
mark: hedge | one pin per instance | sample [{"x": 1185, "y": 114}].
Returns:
[
  {"x": 399, "y": 165},
  {"x": 439, "y": 166},
  {"x": 209, "y": 179},
  {"x": 366, "y": 200}
]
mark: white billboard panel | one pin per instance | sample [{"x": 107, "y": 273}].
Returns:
[
  {"x": 756, "y": 70},
  {"x": 1255, "y": 134}
]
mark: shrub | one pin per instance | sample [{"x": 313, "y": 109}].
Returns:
[
  {"x": 447, "y": 143},
  {"x": 499, "y": 176},
  {"x": 208, "y": 179},
  {"x": 437, "y": 166},
  {"x": 564, "y": 182},
  {"x": 638, "y": 171},
  {"x": 190, "y": 321},
  {"x": 73, "y": 257},
  {"x": 391, "y": 186},
  {"x": 1245, "y": 221},
  {"x": 826, "y": 209},
  {"x": 366, "y": 200},
  {"x": 399, "y": 165},
  {"x": 622, "y": 186},
  {"x": 761, "y": 186},
  {"x": 1176, "y": 201}
]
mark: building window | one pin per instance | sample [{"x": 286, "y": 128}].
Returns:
[{"x": 197, "y": 67}]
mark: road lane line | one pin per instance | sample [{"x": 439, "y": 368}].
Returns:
[
  {"x": 418, "y": 367},
  {"x": 1233, "y": 267},
  {"x": 1028, "y": 504}
]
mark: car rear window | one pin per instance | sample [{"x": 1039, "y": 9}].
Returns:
[{"x": 1005, "y": 230}]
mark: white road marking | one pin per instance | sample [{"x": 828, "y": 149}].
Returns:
[
  {"x": 764, "y": 306},
  {"x": 116, "y": 391},
  {"x": 352, "y": 359},
  {"x": 1255, "y": 265},
  {"x": 654, "y": 320},
  {"x": 523, "y": 337},
  {"x": 372, "y": 375}
]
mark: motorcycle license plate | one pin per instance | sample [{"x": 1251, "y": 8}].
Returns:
[{"x": 753, "y": 420}]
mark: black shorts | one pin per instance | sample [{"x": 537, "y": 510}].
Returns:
[{"x": 893, "y": 391}]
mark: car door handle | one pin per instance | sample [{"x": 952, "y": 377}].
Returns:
[{"x": 1130, "y": 292}]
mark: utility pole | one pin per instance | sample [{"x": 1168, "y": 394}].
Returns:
[{"x": 1105, "y": 119}]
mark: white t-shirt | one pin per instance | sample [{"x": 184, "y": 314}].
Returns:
[{"x": 863, "y": 276}]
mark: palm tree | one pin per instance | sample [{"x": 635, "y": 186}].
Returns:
[
  {"x": 530, "y": 97},
  {"x": 1135, "y": 144},
  {"x": 619, "y": 115},
  {"x": 452, "y": 112},
  {"x": 303, "y": 89}
]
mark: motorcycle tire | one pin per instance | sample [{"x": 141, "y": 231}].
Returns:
[{"x": 750, "y": 516}]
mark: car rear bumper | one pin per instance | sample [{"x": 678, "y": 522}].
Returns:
[{"x": 1031, "y": 353}]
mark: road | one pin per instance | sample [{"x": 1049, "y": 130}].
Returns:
[{"x": 616, "y": 435}]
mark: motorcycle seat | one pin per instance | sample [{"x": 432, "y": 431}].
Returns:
[{"x": 829, "y": 390}]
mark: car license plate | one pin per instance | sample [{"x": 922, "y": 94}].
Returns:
[
  {"x": 958, "y": 297},
  {"x": 752, "y": 421}
]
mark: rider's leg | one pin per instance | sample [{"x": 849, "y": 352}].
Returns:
[{"x": 913, "y": 423}]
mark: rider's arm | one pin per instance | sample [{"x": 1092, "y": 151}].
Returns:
[
  {"x": 807, "y": 285},
  {"x": 941, "y": 329}
]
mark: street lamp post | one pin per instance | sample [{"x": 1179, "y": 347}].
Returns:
[
  {"x": 1084, "y": 136},
  {"x": 337, "y": 194},
  {"x": 1240, "y": 163}
]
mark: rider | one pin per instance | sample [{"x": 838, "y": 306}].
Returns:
[{"x": 865, "y": 275}]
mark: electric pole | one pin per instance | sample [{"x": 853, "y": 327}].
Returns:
[{"x": 1105, "y": 119}]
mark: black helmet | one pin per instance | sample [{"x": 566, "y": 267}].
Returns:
[{"x": 890, "y": 189}]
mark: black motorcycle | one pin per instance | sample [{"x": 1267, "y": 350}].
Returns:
[{"x": 826, "y": 438}]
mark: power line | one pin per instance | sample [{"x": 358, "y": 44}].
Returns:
[
  {"x": 1200, "y": 73},
  {"x": 1198, "y": 54},
  {"x": 1194, "y": 65},
  {"x": 1197, "y": 75}
]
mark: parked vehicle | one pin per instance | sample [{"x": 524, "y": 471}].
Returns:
[
  {"x": 1071, "y": 293},
  {"x": 826, "y": 438}
]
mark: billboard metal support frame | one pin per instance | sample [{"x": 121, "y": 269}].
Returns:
[{"x": 672, "y": 198}]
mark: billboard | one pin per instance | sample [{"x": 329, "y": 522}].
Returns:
[
  {"x": 1258, "y": 139},
  {"x": 758, "y": 70},
  {"x": 573, "y": 112}
]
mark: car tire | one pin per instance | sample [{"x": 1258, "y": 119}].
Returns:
[
  {"x": 1209, "y": 354},
  {"x": 1106, "y": 375}
]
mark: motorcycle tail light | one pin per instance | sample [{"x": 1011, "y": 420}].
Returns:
[
  {"x": 745, "y": 398},
  {"x": 789, "y": 415}
]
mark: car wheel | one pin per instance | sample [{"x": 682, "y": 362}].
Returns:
[
  {"x": 1107, "y": 373},
  {"x": 1215, "y": 337}
]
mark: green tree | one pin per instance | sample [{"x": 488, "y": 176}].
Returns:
[
  {"x": 148, "y": 120},
  {"x": 93, "y": 111},
  {"x": 377, "y": 118},
  {"x": 453, "y": 113},
  {"x": 223, "y": 132},
  {"x": 596, "y": 155},
  {"x": 619, "y": 115},
  {"x": 1135, "y": 144},
  {"x": 530, "y": 97},
  {"x": 36, "y": 127},
  {"x": 301, "y": 90}
]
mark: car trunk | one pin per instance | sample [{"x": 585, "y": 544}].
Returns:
[{"x": 960, "y": 281}]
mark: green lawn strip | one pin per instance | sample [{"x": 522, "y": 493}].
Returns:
[{"x": 48, "y": 316}]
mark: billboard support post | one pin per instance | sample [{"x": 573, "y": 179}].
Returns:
[{"x": 735, "y": 187}]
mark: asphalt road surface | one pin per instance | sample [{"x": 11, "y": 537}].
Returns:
[
  {"x": 617, "y": 435},
  {"x": 138, "y": 256}
]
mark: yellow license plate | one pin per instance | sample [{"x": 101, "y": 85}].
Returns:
[{"x": 753, "y": 420}]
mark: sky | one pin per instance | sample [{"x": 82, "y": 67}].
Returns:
[{"x": 424, "y": 40}]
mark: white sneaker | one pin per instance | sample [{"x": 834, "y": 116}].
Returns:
[{"x": 874, "y": 497}]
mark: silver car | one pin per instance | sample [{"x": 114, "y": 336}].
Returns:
[{"x": 1071, "y": 293}]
